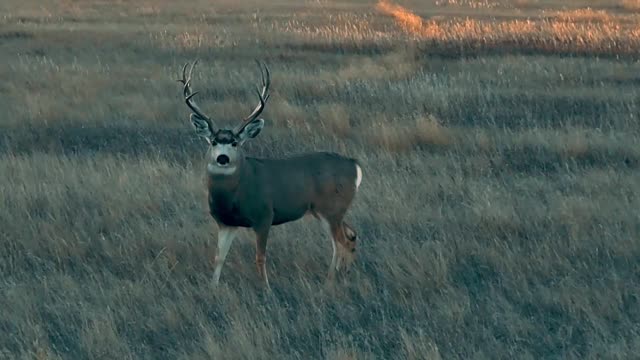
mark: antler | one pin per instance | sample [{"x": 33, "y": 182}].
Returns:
[
  {"x": 188, "y": 94},
  {"x": 263, "y": 96}
]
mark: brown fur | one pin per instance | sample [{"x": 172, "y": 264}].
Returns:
[
  {"x": 266, "y": 192},
  {"x": 259, "y": 193}
]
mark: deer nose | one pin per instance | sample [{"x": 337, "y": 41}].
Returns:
[{"x": 223, "y": 159}]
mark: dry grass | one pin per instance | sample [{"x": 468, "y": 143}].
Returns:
[
  {"x": 565, "y": 31},
  {"x": 497, "y": 215},
  {"x": 474, "y": 4},
  {"x": 400, "y": 137},
  {"x": 633, "y": 5},
  {"x": 583, "y": 15}
]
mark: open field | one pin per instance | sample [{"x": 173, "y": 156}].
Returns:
[{"x": 498, "y": 217}]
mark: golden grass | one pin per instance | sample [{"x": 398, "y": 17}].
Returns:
[
  {"x": 347, "y": 27},
  {"x": 580, "y": 30},
  {"x": 633, "y": 5},
  {"x": 424, "y": 131},
  {"x": 582, "y": 15},
  {"x": 504, "y": 225},
  {"x": 473, "y": 4},
  {"x": 409, "y": 21},
  {"x": 288, "y": 114},
  {"x": 189, "y": 39},
  {"x": 335, "y": 119},
  {"x": 429, "y": 131},
  {"x": 390, "y": 67}
]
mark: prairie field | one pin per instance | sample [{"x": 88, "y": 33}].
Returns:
[{"x": 499, "y": 212}]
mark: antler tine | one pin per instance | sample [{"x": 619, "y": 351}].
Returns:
[
  {"x": 188, "y": 94},
  {"x": 265, "y": 83},
  {"x": 191, "y": 69},
  {"x": 263, "y": 95},
  {"x": 266, "y": 80},
  {"x": 184, "y": 73},
  {"x": 185, "y": 81}
]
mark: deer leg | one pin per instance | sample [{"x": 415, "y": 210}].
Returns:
[
  {"x": 225, "y": 238},
  {"x": 337, "y": 231},
  {"x": 334, "y": 255},
  {"x": 262, "y": 234}
]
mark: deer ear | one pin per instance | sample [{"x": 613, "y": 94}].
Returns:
[
  {"x": 251, "y": 130},
  {"x": 201, "y": 126}
]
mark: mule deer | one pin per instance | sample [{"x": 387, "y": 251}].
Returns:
[{"x": 247, "y": 192}]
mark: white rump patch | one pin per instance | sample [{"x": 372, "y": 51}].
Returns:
[{"x": 358, "y": 176}]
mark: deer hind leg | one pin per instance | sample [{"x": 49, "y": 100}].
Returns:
[{"x": 225, "y": 238}]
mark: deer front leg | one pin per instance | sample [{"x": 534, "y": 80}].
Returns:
[
  {"x": 328, "y": 227},
  {"x": 262, "y": 234},
  {"x": 225, "y": 238}
]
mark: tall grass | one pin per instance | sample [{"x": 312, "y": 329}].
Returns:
[
  {"x": 497, "y": 216},
  {"x": 576, "y": 31}
]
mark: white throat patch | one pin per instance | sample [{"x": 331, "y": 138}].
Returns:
[{"x": 215, "y": 169}]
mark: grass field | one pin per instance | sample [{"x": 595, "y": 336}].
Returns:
[{"x": 498, "y": 216}]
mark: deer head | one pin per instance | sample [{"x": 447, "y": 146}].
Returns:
[{"x": 225, "y": 154}]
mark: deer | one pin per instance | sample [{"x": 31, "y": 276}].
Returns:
[{"x": 257, "y": 193}]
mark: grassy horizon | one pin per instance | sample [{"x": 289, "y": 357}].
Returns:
[{"x": 497, "y": 215}]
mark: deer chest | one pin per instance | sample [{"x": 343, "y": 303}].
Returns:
[{"x": 227, "y": 210}]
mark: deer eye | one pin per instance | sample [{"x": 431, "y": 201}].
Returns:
[
  {"x": 213, "y": 143},
  {"x": 234, "y": 143}
]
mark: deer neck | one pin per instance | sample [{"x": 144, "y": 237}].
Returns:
[{"x": 227, "y": 182}]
